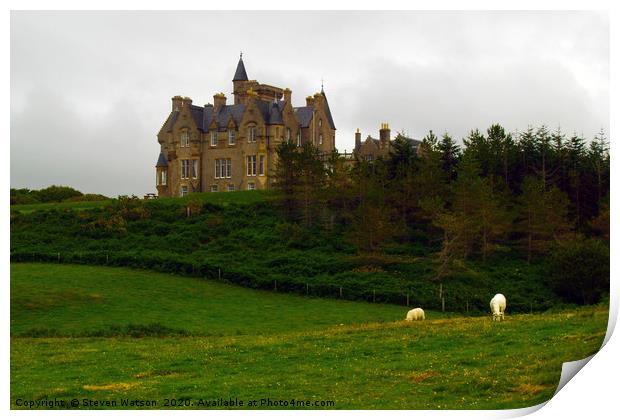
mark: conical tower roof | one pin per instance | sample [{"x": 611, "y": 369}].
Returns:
[{"x": 240, "y": 74}]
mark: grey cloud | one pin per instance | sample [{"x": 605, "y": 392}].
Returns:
[{"x": 90, "y": 90}]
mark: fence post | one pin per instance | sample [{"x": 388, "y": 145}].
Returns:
[
  {"x": 219, "y": 274},
  {"x": 341, "y": 291},
  {"x": 467, "y": 306},
  {"x": 374, "y": 296},
  {"x": 307, "y": 289},
  {"x": 443, "y": 304},
  {"x": 59, "y": 258},
  {"x": 107, "y": 258},
  {"x": 407, "y": 298},
  {"x": 275, "y": 285}
]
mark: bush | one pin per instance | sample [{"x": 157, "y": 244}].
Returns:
[{"x": 580, "y": 271}]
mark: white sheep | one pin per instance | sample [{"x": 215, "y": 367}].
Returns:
[
  {"x": 498, "y": 306},
  {"x": 416, "y": 314}
]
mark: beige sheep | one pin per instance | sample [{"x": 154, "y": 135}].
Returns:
[{"x": 416, "y": 314}]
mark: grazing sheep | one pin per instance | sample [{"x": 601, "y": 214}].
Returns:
[
  {"x": 498, "y": 306},
  {"x": 416, "y": 314}
]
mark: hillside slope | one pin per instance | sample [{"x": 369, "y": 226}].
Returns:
[
  {"x": 241, "y": 238},
  {"x": 251, "y": 345}
]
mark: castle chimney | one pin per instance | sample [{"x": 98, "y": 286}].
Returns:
[
  {"x": 318, "y": 99},
  {"x": 177, "y": 103},
  {"x": 187, "y": 101},
  {"x": 219, "y": 100},
  {"x": 358, "y": 139},
  {"x": 309, "y": 101},
  {"x": 384, "y": 135},
  {"x": 287, "y": 95}
]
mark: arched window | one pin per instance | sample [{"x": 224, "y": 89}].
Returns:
[
  {"x": 185, "y": 138},
  {"x": 251, "y": 134}
]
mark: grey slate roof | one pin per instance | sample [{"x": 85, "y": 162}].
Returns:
[
  {"x": 304, "y": 115},
  {"x": 162, "y": 161},
  {"x": 197, "y": 115},
  {"x": 172, "y": 118},
  {"x": 240, "y": 73}
]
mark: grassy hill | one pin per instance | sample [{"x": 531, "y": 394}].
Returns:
[
  {"x": 242, "y": 238},
  {"x": 215, "y": 340}
]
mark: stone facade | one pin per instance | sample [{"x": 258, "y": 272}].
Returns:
[
  {"x": 372, "y": 148},
  {"x": 225, "y": 147}
]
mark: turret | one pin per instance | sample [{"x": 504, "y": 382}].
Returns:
[{"x": 239, "y": 81}]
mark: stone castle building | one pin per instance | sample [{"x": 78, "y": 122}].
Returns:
[{"x": 228, "y": 147}]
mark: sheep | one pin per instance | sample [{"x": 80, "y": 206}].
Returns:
[
  {"x": 498, "y": 306},
  {"x": 416, "y": 314}
]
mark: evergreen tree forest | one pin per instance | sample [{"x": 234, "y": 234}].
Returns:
[{"x": 535, "y": 195}]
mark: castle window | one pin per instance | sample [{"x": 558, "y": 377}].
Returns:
[
  {"x": 277, "y": 132},
  {"x": 184, "y": 190},
  {"x": 299, "y": 138},
  {"x": 231, "y": 187},
  {"x": 251, "y": 165},
  {"x": 194, "y": 168},
  {"x": 320, "y": 123},
  {"x": 214, "y": 138},
  {"x": 184, "y": 168},
  {"x": 320, "y": 138},
  {"x": 213, "y": 188},
  {"x": 369, "y": 158},
  {"x": 223, "y": 168},
  {"x": 261, "y": 165},
  {"x": 252, "y": 134},
  {"x": 251, "y": 186},
  {"x": 185, "y": 139},
  {"x": 232, "y": 140},
  {"x": 288, "y": 134},
  {"x": 164, "y": 177}
]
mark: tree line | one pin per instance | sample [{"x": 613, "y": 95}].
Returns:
[{"x": 531, "y": 193}]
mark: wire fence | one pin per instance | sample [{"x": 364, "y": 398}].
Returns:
[{"x": 443, "y": 300}]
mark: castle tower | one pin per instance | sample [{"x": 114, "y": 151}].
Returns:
[{"x": 239, "y": 81}]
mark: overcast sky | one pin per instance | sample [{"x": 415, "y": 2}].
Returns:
[{"x": 90, "y": 90}]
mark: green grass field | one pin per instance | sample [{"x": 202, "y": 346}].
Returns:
[{"x": 221, "y": 341}]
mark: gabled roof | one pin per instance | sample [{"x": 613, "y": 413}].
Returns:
[
  {"x": 162, "y": 161},
  {"x": 172, "y": 118},
  {"x": 240, "y": 74}
]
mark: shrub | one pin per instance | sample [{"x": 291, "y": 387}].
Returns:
[{"x": 580, "y": 271}]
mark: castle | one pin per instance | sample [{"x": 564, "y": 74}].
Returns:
[{"x": 228, "y": 147}]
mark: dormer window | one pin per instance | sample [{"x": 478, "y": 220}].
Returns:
[
  {"x": 185, "y": 139},
  {"x": 214, "y": 138},
  {"x": 232, "y": 140}
]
